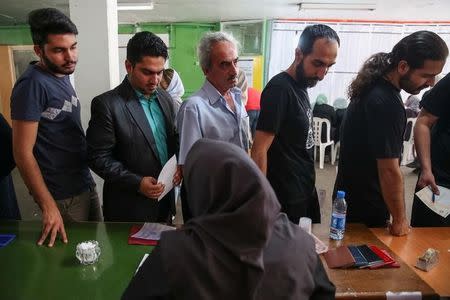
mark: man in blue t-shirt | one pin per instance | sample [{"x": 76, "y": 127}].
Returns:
[{"x": 49, "y": 143}]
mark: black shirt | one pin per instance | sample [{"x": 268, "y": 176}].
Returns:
[
  {"x": 437, "y": 102},
  {"x": 372, "y": 129},
  {"x": 286, "y": 112}
]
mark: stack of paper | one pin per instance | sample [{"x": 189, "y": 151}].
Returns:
[
  {"x": 152, "y": 231},
  {"x": 148, "y": 234}
]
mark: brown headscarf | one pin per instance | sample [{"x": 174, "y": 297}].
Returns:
[{"x": 218, "y": 254}]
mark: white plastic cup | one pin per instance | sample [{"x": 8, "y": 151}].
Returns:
[{"x": 305, "y": 224}]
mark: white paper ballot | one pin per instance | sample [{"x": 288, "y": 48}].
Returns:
[
  {"x": 142, "y": 262},
  {"x": 441, "y": 204},
  {"x": 152, "y": 231},
  {"x": 166, "y": 175}
]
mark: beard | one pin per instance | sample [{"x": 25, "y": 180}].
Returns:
[
  {"x": 302, "y": 80},
  {"x": 408, "y": 86},
  {"x": 54, "y": 68}
]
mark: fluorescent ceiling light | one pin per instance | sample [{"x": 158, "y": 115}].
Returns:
[
  {"x": 135, "y": 6},
  {"x": 340, "y": 5}
]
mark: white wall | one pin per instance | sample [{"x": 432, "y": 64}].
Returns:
[{"x": 358, "y": 42}]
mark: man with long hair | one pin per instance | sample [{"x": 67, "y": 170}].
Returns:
[
  {"x": 284, "y": 145},
  {"x": 372, "y": 132}
]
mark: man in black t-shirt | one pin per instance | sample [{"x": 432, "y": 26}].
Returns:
[
  {"x": 284, "y": 144},
  {"x": 49, "y": 143},
  {"x": 372, "y": 130},
  {"x": 432, "y": 141}
]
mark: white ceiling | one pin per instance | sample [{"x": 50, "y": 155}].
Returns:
[{"x": 14, "y": 12}]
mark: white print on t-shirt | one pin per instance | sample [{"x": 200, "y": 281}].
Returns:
[
  {"x": 310, "y": 139},
  {"x": 67, "y": 106},
  {"x": 51, "y": 112},
  {"x": 74, "y": 101}
]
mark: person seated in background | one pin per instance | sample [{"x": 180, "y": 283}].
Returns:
[
  {"x": 172, "y": 84},
  {"x": 340, "y": 106},
  {"x": 253, "y": 107},
  {"x": 237, "y": 245},
  {"x": 325, "y": 111},
  {"x": 412, "y": 106},
  {"x": 412, "y": 110},
  {"x": 9, "y": 209}
]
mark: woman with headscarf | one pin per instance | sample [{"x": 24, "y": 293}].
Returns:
[
  {"x": 171, "y": 82},
  {"x": 323, "y": 110},
  {"x": 340, "y": 106},
  {"x": 237, "y": 245}
]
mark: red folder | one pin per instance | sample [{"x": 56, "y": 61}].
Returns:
[
  {"x": 388, "y": 261},
  {"x": 137, "y": 241}
]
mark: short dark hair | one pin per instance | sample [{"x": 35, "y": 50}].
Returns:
[
  {"x": 145, "y": 43},
  {"x": 312, "y": 33},
  {"x": 47, "y": 21}
]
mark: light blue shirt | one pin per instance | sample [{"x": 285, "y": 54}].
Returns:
[
  {"x": 157, "y": 123},
  {"x": 206, "y": 114}
]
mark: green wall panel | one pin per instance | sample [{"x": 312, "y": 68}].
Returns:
[
  {"x": 184, "y": 38},
  {"x": 15, "y": 35},
  {"x": 184, "y": 41}
]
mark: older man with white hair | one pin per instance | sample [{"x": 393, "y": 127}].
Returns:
[{"x": 216, "y": 110}]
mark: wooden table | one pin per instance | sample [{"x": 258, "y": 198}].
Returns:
[
  {"x": 414, "y": 245},
  {"x": 370, "y": 284}
]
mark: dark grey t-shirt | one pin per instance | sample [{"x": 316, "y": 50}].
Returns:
[
  {"x": 437, "y": 102},
  {"x": 60, "y": 148}
]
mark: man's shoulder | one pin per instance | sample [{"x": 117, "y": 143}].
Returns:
[
  {"x": 381, "y": 94},
  {"x": 109, "y": 96},
  {"x": 33, "y": 76},
  {"x": 198, "y": 99}
]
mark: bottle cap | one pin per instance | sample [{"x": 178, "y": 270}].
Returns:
[{"x": 340, "y": 194}]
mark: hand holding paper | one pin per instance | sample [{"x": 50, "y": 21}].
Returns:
[
  {"x": 439, "y": 203},
  {"x": 166, "y": 176}
]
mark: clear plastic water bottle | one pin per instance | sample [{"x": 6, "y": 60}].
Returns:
[{"x": 339, "y": 210}]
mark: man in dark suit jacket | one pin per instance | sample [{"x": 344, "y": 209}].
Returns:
[{"x": 131, "y": 136}]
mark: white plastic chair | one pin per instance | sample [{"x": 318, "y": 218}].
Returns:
[
  {"x": 317, "y": 127},
  {"x": 408, "y": 145},
  {"x": 334, "y": 151}
]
